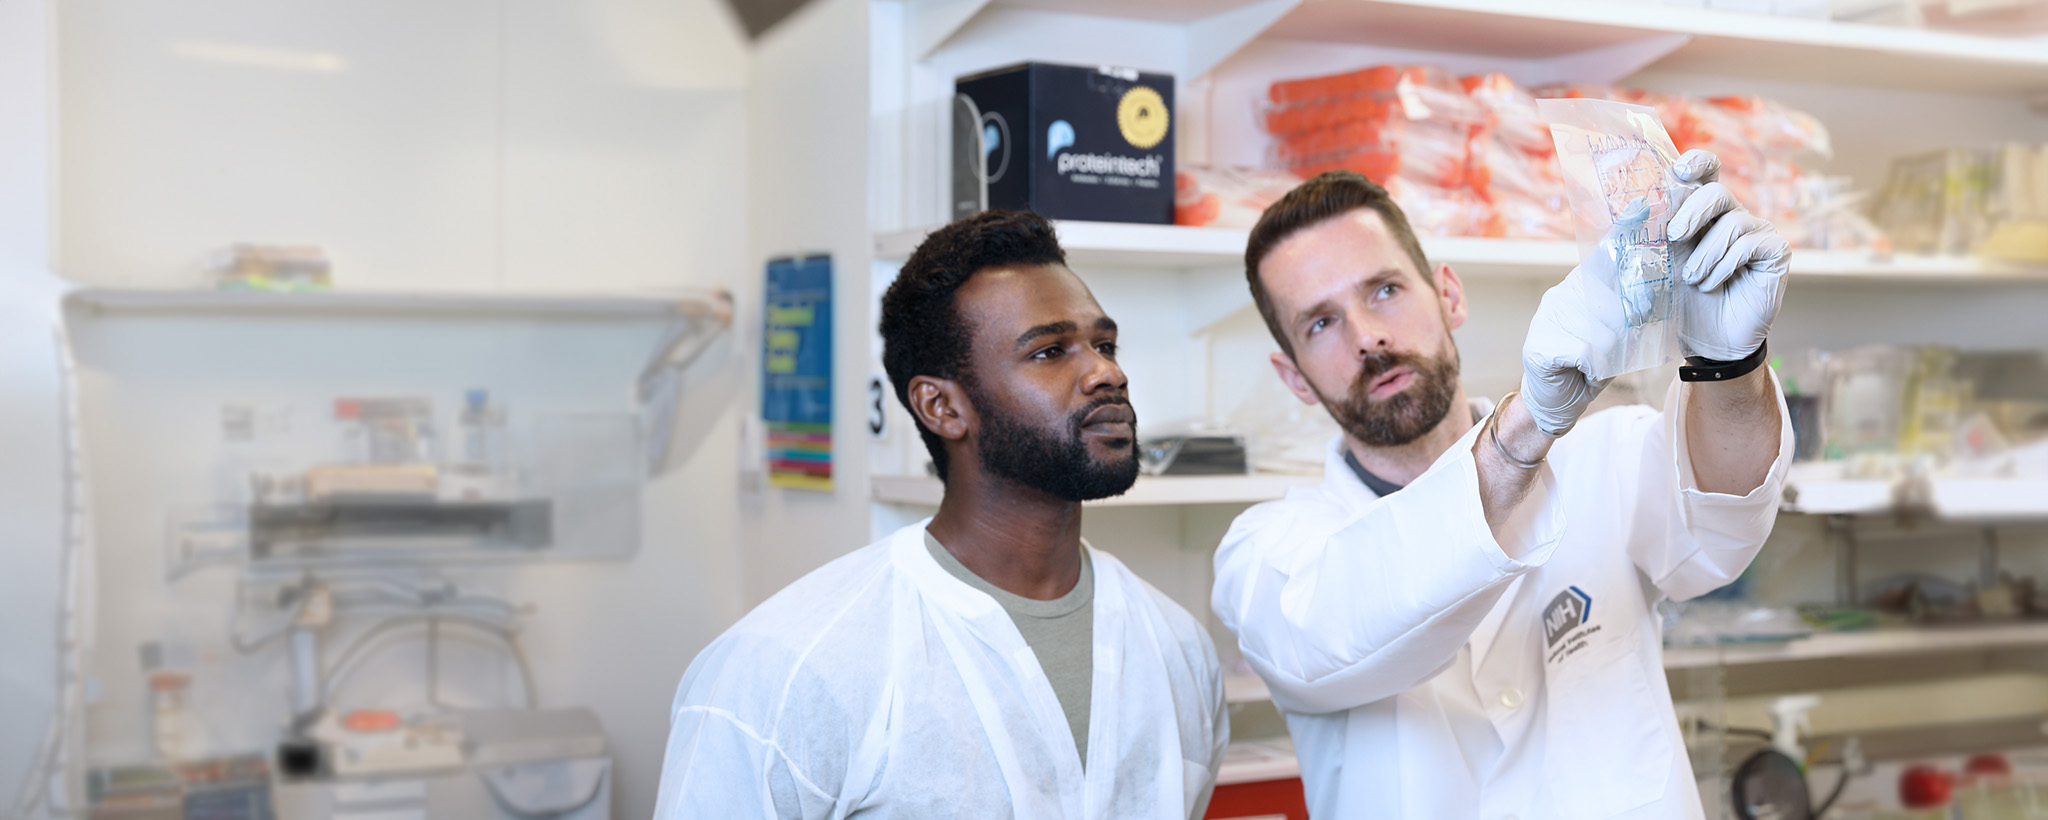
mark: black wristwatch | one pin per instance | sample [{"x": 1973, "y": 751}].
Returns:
[{"x": 1703, "y": 369}]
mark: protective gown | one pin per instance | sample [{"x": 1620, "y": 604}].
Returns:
[{"x": 880, "y": 686}]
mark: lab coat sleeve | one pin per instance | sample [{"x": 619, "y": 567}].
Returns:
[
  {"x": 1690, "y": 542},
  {"x": 718, "y": 766},
  {"x": 1336, "y": 609}
]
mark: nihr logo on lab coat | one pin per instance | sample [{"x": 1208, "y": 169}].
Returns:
[{"x": 1571, "y": 609}]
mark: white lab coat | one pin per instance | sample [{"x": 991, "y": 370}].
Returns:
[
  {"x": 1424, "y": 674},
  {"x": 880, "y": 686}
]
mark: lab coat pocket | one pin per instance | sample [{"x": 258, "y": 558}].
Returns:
[{"x": 1603, "y": 750}]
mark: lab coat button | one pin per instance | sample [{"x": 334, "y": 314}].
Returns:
[{"x": 1511, "y": 699}]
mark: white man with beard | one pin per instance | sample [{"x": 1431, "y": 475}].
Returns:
[
  {"x": 1459, "y": 621},
  {"x": 985, "y": 662}
]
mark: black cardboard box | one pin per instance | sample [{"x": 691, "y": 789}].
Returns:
[{"x": 1076, "y": 143}]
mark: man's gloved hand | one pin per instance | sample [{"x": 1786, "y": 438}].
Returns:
[
  {"x": 1734, "y": 261},
  {"x": 1566, "y": 335}
]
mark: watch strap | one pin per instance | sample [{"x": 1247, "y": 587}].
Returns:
[{"x": 1703, "y": 369}]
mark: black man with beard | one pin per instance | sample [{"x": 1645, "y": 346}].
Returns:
[{"x": 985, "y": 662}]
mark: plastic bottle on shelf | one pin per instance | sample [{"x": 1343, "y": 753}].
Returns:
[
  {"x": 482, "y": 472},
  {"x": 167, "y": 695}
]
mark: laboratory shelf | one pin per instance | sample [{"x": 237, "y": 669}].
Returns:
[
  {"x": 1245, "y": 688},
  {"x": 1822, "y": 646},
  {"x": 1840, "y": 497},
  {"x": 1970, "y": 500},
  {"x": 1150, "y": 491},
  {"x": 1113, "y": 245},
  {"x": 1626, "y": 33},
  {"x": 1093, "y": 246},
  {"x": 1871, "y": 643},
  {"x": 1989, "y": 499},
  {"x": 1255, "y": 761},
  {"x": 1717, "y": 41},
  {"x": 373, "y": 304}
]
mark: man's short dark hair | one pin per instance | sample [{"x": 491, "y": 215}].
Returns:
[
  {"x": 1329, "y": 195},
  {"x": 922, "y": 332}
]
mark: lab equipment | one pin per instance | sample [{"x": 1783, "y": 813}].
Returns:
[
  {"x": 386, "y": 430},
  {"x": 249, "y": 266},
  {"x": 1192, "y": 455},
  {"x": 1407, "y": 128},
  {"x": 1936, "y": 202},
  {"x": 1771, "y": 786},
  {"x": 399, "y": 528},
  {"x": 1226, "y": 197},
  {"x": 1761, "y": 144},
  {"x": 1512, "y": 163},
  {"x": 326, "y": 481},
  {"x": 521, "y": 764},
  {"x": 429, "y": 742},
  {"x": 1617, "y": 163},
  {"x": 225, "y": 788},
  {"x": 1865, "y": 404},
  {"x": 483, "y": 471},
  {"x": 1076, "y": 142},
  {"x": 168, "y": 693}
]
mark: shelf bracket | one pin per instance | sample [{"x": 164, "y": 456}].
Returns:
[
  {"x": 1212, "y": 39},
  {"x": 1987, "y": 560},
  {"x": 659, "y": 390},
  {"x": 1843, "y": 528},
  {"x": 1607, "y": 64}
]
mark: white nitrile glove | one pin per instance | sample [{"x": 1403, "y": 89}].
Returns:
[
  {"x": 1564, "y": 337},
  {"x": 1734, "y": 261}
]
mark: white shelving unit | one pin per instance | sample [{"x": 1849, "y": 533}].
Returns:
[
  {"x": 1110, "y": 245},
  {"x": 1872, "y": 643},
  {"x": 339, "y": 303},
  {"x": 1150, "y": 491},
  {"x": 685, "y": 321},
  {"x": 1245, "y": 689},
  {"x": 1258, "y": 760},
  {"x": 1689, "y": 39},
  {"x": 1981, "y": 500}
]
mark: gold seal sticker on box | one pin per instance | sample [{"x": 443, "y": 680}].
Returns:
[{"x": 1142, "y": 116}]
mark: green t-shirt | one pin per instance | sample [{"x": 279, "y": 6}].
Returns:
[{"x": 1061, "y": 632}]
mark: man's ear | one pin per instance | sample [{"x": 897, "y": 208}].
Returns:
[
  {"x": 1451, "y": 290},
  {"x": 1291, "y": 376},
  {"x": 942, "y": 407}
]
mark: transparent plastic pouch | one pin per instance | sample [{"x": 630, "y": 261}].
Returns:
[{"x": 1617, "y": 161}]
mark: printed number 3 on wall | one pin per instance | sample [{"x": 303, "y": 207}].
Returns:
[{"x": 878, "y": 415}]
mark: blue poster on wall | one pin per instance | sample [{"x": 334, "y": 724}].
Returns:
[{"x": 796, "y": 372}]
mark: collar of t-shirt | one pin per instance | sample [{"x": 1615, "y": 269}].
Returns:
[
  {"x": 1380, "y": 486},
  {"x": 1081, "y": 595}
]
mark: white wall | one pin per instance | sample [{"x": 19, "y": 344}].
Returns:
[
  {"x": 30, "y": 500},
  {"x": 808, "y": 172},
  {"x": 478, "y": 145}
]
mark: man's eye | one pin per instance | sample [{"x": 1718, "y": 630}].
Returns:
[
  {"x": 1107, "y": 349},
  {"x": 1318, "y": 325},
  {"x": 1049, "y": 353},
  {"x": 1388, "y": 290}
]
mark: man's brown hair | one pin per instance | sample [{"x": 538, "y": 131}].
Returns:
[{"x": 1329, "y": 195}]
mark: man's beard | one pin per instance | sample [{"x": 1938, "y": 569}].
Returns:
[
  {"x": 1056, "y": 463},
  {"x": 1405, "y": 416}
]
